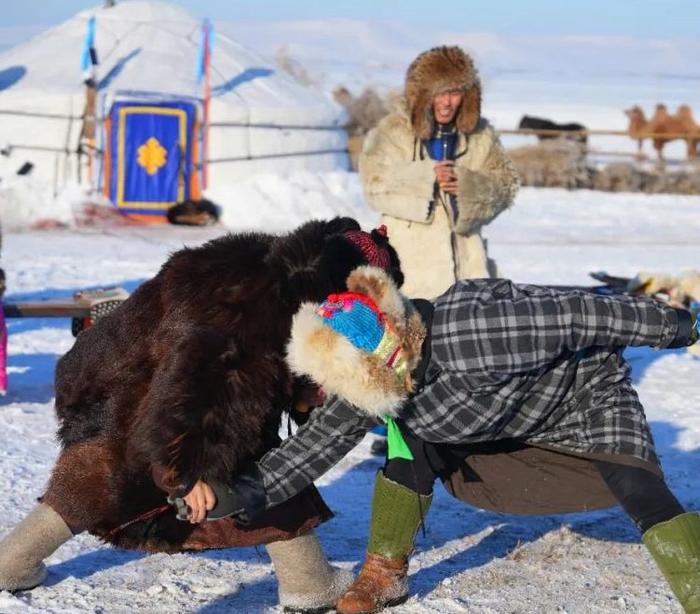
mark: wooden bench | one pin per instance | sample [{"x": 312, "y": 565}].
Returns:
[{"x": 84, "y": 308}]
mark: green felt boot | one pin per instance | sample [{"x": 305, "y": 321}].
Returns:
[
  {"x": 675, "y": 546},
  {"x": 397, "y": 513}
]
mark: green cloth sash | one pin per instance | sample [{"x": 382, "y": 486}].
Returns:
[{"x": 397, "y": 447}]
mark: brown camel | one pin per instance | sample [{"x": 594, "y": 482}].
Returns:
[
  {"x": 684, "y": 114},
  {"x": 667, "y": 127},
  {"x": 638, "y": 126}
]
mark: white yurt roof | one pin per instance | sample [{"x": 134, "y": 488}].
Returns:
[
  {"x": 261, "y": 119},
  {"x": 146, "y": 46}
]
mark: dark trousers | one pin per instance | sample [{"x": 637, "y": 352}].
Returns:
[{"x": 642, "y": 494}]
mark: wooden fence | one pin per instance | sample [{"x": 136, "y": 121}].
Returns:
[
  {"x": 667, "y": 136},
  {"x": 636, "y": 136}
]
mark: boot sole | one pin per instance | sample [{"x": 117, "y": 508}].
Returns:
[
  {"x": 36, "y": 580},
  {"x": 319, "y": 610},
  {"x": 389, "y": 604},
  {"x": 397, "y": 601}
]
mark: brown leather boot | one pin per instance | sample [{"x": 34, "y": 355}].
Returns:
[
  {"x": 381, "y": 583},
  {"x": 397, "y": 512}
]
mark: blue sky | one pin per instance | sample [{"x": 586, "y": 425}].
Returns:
[{"x": 643, "y": 18}]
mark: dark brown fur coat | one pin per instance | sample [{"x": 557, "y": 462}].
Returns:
[{"x": 187, "y": 379}]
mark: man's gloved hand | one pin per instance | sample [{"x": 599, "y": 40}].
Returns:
[
  {"x": 243, "y": 500},
  {"x": 694, "y": 346},
  {"x": 687, "y": 328},
  {"x": 193, "y": 506},
  {"x": 227, "y": 503}
]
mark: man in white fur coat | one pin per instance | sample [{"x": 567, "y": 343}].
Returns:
[{"x": 436, "y": 171}]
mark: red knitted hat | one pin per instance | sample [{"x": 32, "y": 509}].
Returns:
[{"x": 376, "y": 254}]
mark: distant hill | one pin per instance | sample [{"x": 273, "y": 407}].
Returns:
[{"x": 355, "y": 52}]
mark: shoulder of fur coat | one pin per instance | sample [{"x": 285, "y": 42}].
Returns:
[
  {"x": 393, "y": 131},
  {"x": 488, "y": 181},
  {"x": 480, "y": 141}
]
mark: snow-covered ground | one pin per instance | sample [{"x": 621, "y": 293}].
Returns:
[{"x": 470, "y": 560}]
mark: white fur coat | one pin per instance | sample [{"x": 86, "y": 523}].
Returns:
[{"x": 436, "y": 247}]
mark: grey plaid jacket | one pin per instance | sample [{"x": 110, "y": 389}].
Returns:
[{"x": 507, "y": 361}]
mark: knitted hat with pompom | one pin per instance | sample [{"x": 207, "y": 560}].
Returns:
[{"x": 372, "y": 245}]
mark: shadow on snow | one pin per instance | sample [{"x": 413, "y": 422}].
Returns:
[{"x": 345, "y": 537}]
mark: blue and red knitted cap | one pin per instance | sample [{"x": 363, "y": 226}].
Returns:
[
  {"x": 361, "y": 344},
  {"x": 357, "y": 317}
]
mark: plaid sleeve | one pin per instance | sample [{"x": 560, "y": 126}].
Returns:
[
  {"x": 331, "y": 432},
  {"x": 509, "y": 328}
]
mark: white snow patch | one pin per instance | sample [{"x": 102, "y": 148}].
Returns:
[{"x": 470, "y": 560}]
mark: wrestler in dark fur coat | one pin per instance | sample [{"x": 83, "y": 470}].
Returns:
[{"x": 187, "y": 379}]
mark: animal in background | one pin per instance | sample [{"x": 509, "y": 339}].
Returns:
[
  {"x": 528, "y": 122},
  {"x": 674, "y": 127},
  {"x": 665, "y": 128},
  {"x": 638, "y": 126},
  {"x": 684, "y": 114}
]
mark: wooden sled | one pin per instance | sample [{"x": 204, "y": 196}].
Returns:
[{"x": 84, "y": 308}]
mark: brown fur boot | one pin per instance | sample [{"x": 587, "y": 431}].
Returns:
[
  {"x": 23, "y": 550},
  {"x": 381, "y": 583},
  {"x": 307, "y": 582}
]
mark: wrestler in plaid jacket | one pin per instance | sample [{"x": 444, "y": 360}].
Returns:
[{"x": 501, "y": 361}]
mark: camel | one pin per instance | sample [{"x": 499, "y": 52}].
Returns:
[
  {"x": 638, "y": 127},
  {"x": 684, "y": 114},
  {"x": 668, "y": 127}
]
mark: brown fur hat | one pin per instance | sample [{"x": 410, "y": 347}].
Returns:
[{"x": 438, "y": 70}]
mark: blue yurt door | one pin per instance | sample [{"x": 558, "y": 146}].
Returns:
[{"x": 151, "y": 161}]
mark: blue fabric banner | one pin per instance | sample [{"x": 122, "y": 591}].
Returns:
[
  {"x": 206, "y": 44},
  {"x": 152, "y": 160},
  {"x": 87, "y": 56}
]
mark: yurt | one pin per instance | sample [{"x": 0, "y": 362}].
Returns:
[{"x": 147, "y": 127}]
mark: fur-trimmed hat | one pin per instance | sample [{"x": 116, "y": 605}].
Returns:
[
  {"x": 438, "y": 70},
  {"x": 361, "y": 344}
]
